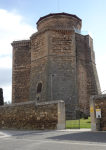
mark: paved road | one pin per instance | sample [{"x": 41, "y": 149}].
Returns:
[{"x": 52, "y": 140}]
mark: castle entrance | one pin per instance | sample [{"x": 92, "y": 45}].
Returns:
[{"x": 72, "y": 116}]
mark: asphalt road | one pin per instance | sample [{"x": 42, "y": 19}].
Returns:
[{"x": 52, "y": 140}]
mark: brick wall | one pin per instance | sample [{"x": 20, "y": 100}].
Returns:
[
  {"x": 21, "y": 71},
  {"x": 30, "y": 115}
]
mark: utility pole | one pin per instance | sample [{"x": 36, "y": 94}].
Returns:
[{"x": 52, "y": 75}]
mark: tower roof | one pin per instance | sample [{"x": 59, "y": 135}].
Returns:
[{"x": 56, "y": 14}]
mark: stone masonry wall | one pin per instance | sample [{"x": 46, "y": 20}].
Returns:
[
  {"x": 93, "y": 85},
  {"x": 21, "y": 71},
  {"x": 38, "y": 75},
  {"x": 87, "y": 78},
  {"x": 60, "y": 21},
  {"x": 56, "y": 49},
  {"x": 38, "y": 46},
  {"x": 81, "y": 74},
  {"x": 54, "y": 53},
  {"x": 100, "y": 102},
  {"x": 38, "y": 72},
  {"x": 29, "y": 115},
  {"x": 62, "y": 62}
]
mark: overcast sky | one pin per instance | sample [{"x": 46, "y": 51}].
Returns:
[{"x": 18, "y": 21}]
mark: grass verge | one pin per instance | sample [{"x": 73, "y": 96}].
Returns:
[{"x": 83, "y": 123}]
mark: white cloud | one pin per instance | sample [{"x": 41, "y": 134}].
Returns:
[
  {"x": 6, "y": 82},
  {"x": 11, "y": 28},
  {"x": 7, "y": 92},
  {"x": 101, "y": 63},
  {"x": 6, "y": 62},
  {"x": 10, "y": 18}
]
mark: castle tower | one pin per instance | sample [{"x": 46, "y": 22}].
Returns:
[
  {"x": 56, "y": 59},
  {"x": 21, "y": 70}
]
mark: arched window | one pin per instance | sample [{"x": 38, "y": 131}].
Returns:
[{"x": 39, "y": 87}]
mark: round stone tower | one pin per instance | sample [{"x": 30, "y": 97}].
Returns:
[{"x": 61, "y": 20}]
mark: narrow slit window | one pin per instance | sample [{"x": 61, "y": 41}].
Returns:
[{"x": 39, "y": 87}]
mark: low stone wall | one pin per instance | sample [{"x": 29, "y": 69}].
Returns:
[
  {"x": 32, "y": 115},
  {"x": 98, "y": 101}
]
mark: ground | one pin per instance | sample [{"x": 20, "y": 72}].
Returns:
[{"x": 79, "y": 139}]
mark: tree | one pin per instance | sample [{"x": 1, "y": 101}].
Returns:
[{"x": 7, "y": 103}]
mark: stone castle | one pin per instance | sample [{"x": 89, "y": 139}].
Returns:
[{"x": 56, "y": 64}]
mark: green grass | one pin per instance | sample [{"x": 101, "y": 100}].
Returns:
[{"x": 84, "y": 123}]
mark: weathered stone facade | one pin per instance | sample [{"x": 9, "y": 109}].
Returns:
[
  {"x": 56, "y": 49},
  {"x": 87, "y": 78},
  {"x": 21, "y": 71},
  {"x": 98, "y": 102},
  {"x": 30, "y": 115}
]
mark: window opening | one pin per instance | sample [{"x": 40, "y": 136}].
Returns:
[{"x": 39, "y": 87}]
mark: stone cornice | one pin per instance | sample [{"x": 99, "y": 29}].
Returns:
[
  {"x": 31, "y": 102},
  {"x": 53, "y": 29},
  {"x": 58, "y": 15},
  {"x": 21, "y": 43}
]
